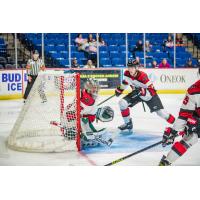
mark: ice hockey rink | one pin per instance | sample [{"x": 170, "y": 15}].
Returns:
[{"x": 148, "y": 129}]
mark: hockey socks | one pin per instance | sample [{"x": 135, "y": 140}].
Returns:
[{"x": 126, "y": 115}]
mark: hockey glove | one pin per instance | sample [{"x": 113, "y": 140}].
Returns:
[
  {"x": 169, "y": 136},
  {"x": 118, "y": 91},
  {"x": 143, "y": 91},
  {"x": 192, "y": 126}
]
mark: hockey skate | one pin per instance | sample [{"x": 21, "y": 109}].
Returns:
[
  {"x": 128, "y": 126},
  {"x": 164, "y": 162}
]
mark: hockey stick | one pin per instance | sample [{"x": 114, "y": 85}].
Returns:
[
  {"x": 143, "y": 106},
  {"x": 57, "y": 124},
  {"x": 132, "y": 154},
  {"x": 139, "y": 93},
  {"x": 106, "y": 100}
]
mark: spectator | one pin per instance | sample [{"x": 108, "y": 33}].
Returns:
[
  {"x": 189, "y": 63},
  {"x": 75, "y": 63},
  {"x": 154, "y": 64},
  {"x": 179, "y": 39},
  {"x": 90, "y": 38},
  {"x": 148, "y": 46},
  {"x": 92, "y": 44},
  {"x": 81, "y": 43},
  {"x": 164, "y": 64},
  {"x": 101, "y": 42},
  {"x": 169, "y": 42},
  {"x": 79, "y": 40},
  {"x": 139, "y": 46},
  {"x": 89, "y": 65}
]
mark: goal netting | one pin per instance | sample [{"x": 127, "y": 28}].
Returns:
[{"x": 50, "y": 119}]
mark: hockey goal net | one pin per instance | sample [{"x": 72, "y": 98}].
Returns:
[{"x": 50, "y": 119}]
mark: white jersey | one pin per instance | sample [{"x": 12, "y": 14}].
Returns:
[
  {"x": 141, "y": 80},
  {"x": 190, "y": 107}
]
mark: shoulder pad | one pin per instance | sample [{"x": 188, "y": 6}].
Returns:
[
  {"x": 127, "y": 73},
  {"x": 87, "y": 98},
  {"x": 194, "y": 89}
]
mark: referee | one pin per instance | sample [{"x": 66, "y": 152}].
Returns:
[{"x": 33, "y": 67}]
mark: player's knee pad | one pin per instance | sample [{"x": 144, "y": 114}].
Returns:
[
  {"x": 162, "y": 113},
  {"x": 190, "y": 139},
  {"x": 123, "y": 104}
]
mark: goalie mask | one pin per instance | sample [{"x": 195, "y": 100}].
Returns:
[
  {"x": 105, "y": 114},
  {"x": 92, "y": 86}
]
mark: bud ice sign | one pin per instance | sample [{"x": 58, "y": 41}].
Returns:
[{"x": 12, "y": 83}]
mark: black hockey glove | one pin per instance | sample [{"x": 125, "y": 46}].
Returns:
[
  {"x": 169, "y": 136},
  {"x": 118, "y": 91},
  {"x": 192, "y": 126}
]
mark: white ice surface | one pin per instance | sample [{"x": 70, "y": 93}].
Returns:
[{"x": 148, "y": 129}]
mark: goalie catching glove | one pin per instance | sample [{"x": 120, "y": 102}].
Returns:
[{"x": 105, "y": 114}]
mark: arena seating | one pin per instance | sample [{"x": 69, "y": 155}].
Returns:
[
  {"x": 114, "y": 53},
  {"x": 3, "y": 53}
]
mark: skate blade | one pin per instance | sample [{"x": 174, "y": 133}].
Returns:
[{"x": 126, "y": 132}]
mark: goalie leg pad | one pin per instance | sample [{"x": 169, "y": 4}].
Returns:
[{"x": 95, "y": 139}]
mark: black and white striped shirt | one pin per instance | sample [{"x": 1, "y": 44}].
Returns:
[{"x": 34, "y": 66}]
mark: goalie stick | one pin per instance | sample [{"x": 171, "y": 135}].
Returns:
[{"x": 132, "y": 154}]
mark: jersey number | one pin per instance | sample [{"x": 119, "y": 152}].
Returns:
[{"x": 185, "y": 101}]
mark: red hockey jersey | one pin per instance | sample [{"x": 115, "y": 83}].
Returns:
[{"x": 88, "y": 107}]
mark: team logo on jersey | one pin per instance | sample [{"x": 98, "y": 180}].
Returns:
[{"x": 87, "y": 100}]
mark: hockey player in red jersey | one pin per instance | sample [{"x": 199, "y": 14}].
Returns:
[
  {"x": 91, "y": 136},
  {"x": 187, "y": 125},
  {"x": 142, "y": 91}
]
